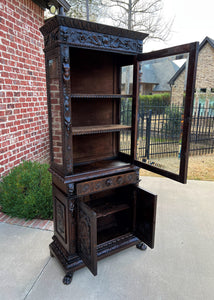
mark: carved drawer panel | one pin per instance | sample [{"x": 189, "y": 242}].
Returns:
[{"x": 98, "y": 185}]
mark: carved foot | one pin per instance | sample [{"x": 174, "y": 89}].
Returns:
[
  {"x": 141, "y": 246},
  {"x": 51, "y": 254},
  {"x": 68, "y": 278}
]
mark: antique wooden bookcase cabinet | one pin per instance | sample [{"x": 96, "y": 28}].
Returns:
[{"x": 99, "y": 209}]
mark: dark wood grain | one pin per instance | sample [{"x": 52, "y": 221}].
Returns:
[
  {"x": 82, "y": 130},
  {"x": 99, "y": 209}
]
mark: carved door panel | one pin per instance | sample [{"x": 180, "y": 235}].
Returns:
[
  {"x": 87, "y": 236},
  {"x": 145, "y": 216}
]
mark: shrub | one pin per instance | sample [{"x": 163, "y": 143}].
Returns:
[
  {"x": 156, "y": 103},
  {"x": 26, "y": 192},
  {"x": 156, "y": 99}
]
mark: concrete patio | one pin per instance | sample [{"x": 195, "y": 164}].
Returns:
[{"x": 180, "y": 267}]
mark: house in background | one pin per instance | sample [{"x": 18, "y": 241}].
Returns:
[
  {"x": 204, "y": 86},
  {"x": 155, "y": 75}
]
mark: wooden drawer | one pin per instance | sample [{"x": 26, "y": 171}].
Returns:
[{"x": 102, "y": 184}]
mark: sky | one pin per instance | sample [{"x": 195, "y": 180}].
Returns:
[{"x": 193, "y": 21}]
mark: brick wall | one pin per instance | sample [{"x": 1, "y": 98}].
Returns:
[
  {"x": 177, "y": 92},
  {"x": 205, "y": 68},
  {"x": 23, "y": 109},
  {"x": 204, "y": 76}
]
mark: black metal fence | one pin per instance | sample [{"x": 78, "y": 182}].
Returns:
[
  {"x": 202, "y": 130},
  {"x": 160, "y": 130}
]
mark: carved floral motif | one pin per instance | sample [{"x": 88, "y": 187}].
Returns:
[
  {"x": 71, "y": 198},
  {"x": 94, "y": 39},
  {"x": 60, "y": 219},
  {"x": 67, "y": 106},
  {"x": 89, "y": 39}
]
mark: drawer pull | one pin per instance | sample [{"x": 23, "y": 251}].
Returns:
[
  {"x": 109, "y": 182},
  {"x": 120, "y": 180},
  {"x": 85, "y": 188}
]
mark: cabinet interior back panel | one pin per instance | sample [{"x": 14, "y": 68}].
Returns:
[
  {"x": 93, "y": 147},
  {"x": 91, "y": 72},
  {"x": 92, "y": 112}
]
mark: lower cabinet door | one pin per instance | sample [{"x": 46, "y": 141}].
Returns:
[
  {"x": 137, "y": 213},
  {"x": 145, "y": 216},
  {"x": 87, "y": 236}
]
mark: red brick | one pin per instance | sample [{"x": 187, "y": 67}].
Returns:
[
  {"x": 21, "y": 222},
  {"x": 5, "y": 218},
  {"x": 1, "y": 215},
  {"x": 28, "y": 223},
  {"x": 49, "y": 226},
  {"x": 22, "y": 77}
]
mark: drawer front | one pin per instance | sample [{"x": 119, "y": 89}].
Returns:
[{"x": 110, "y": 182}]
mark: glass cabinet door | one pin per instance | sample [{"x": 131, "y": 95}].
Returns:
[{"x": 162, "y": 101}]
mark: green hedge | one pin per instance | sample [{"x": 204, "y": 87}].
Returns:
[
  {"x": 26, "y": 192},
  {"x": 154, "y": 103},
  {"x": 156, "y": 99}
]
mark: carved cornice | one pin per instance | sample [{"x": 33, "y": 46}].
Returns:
[
  {"x": 91, "y": 35},
  {"x": 68, "y": 22}
]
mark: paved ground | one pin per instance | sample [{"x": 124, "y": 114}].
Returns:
[{"x": 180, "y": 267}]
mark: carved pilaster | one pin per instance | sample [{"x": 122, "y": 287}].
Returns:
[
  {"x": 71, "y": 198},
  {"x": 66, "y": 108}
]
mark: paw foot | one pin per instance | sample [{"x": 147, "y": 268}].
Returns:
[
  {"x": 68, "y": 278},
  {"x": 141, "y": 246}
]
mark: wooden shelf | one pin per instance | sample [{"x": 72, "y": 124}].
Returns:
[
  {"x": 98, "y": 168},
  {"x": 82, "y": 130},
  {"x": 109, "y": 208},
  {"x": 96, "y": 96},
  {"x": 108, "y": 235}
]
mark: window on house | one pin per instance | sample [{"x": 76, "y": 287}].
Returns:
[
  {"x": 203, "y": 90},
  {"x": 212, "y": 90}
]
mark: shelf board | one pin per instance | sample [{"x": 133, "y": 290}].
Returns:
[
  {"x": 82, "y": 130},
  {"x": 110, "y": 165},
  {"x": 100, "y": 96},
  {"x": 109, "y": 208}
]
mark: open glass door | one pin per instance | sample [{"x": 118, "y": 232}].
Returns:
[{"x": 162, "y": 101}]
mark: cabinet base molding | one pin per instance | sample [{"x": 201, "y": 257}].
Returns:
[{"x": 72, "y": 262}]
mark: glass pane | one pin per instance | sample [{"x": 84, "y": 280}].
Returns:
[
  {"x": 126, "y": 108},
  {"x": 126, "y": 80},
  {"x": 162, "y": 84},
  {"x": 125, "y": 119},
  {"x": 55, "y": 112}
]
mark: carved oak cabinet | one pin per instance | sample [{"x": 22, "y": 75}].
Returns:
[{"x": 99, "y": 209}]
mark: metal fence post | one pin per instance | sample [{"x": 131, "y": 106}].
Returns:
[
  {"x": 197, "y": 125},
  {"x": 148, "y": 133}
]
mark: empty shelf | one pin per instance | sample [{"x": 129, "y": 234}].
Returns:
[{"x": 98, "y": 129}]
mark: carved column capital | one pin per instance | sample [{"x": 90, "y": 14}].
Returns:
[{"x": 71, "y": 187}]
